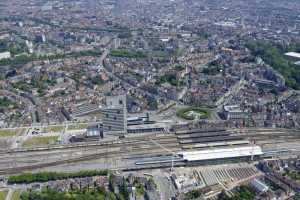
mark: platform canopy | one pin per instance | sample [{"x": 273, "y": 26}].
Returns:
[{"x": 221, "y": 153}]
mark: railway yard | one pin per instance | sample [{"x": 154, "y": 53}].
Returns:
[{"x": 145, "y": 152}]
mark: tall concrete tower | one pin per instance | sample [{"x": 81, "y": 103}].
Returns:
[{"x": 115, "y": 115}]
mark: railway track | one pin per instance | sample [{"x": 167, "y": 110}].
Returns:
[
  {"x": 125, "y": 149},
  {"x": 128, "y": 149},
  {"x": 91, "y": 152},
  {"x": 272, "y": 137},
  {"x": 128, "y": 141},
  {"x": 103, "y": 155}
]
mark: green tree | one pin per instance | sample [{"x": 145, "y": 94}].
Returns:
[
  {"x": 194, "y": 194},
  {"x": 111, "y": 182},
  {"x": 124, "y": 189}
]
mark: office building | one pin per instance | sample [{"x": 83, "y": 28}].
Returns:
[
  {"x": 233, "y": 112},
  {"x": 115, "y": 115}
]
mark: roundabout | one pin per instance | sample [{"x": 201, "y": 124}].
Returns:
[{"x": 193, "y": 113}]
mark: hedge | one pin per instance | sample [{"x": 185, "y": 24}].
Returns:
[{"x": 51, "y": 176}]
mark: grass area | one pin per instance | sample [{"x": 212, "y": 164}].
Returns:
[
  {"x": 192, "y": 113},
  {"x": 77, "y": 126},
  {"x": 10, "y": 132},
  {"x": 140, "y": 191},
  {"x": 40, "y": 141},
  {"x": 56, "y": 128},
  {"x": 3, "y": 194},
  {"x": 16, "y": 195},
  {"x": 128, "y": 54}
]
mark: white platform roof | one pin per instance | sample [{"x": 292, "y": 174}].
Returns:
[
  {"x": 221, "y": 153},
  {"x": 293, "y": 54}
]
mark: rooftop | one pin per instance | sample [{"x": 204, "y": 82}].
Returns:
[
  {"x": 293, "y": 54},
  {"x": 232, "y": 108},
  {"x": 221, "y": 153}
]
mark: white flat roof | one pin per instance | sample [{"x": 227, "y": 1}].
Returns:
[
  {"x": 293, "y": 54},
  {"x": 220, "y": 153},
  {"x": 232, "y": 108},
  {"x": 4, "y": 55}
]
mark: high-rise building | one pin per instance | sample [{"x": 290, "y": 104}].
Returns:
[{"x": 114, "y": 115}]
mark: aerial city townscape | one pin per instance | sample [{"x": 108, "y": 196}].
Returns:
[{"x": 149, "y": 99}]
